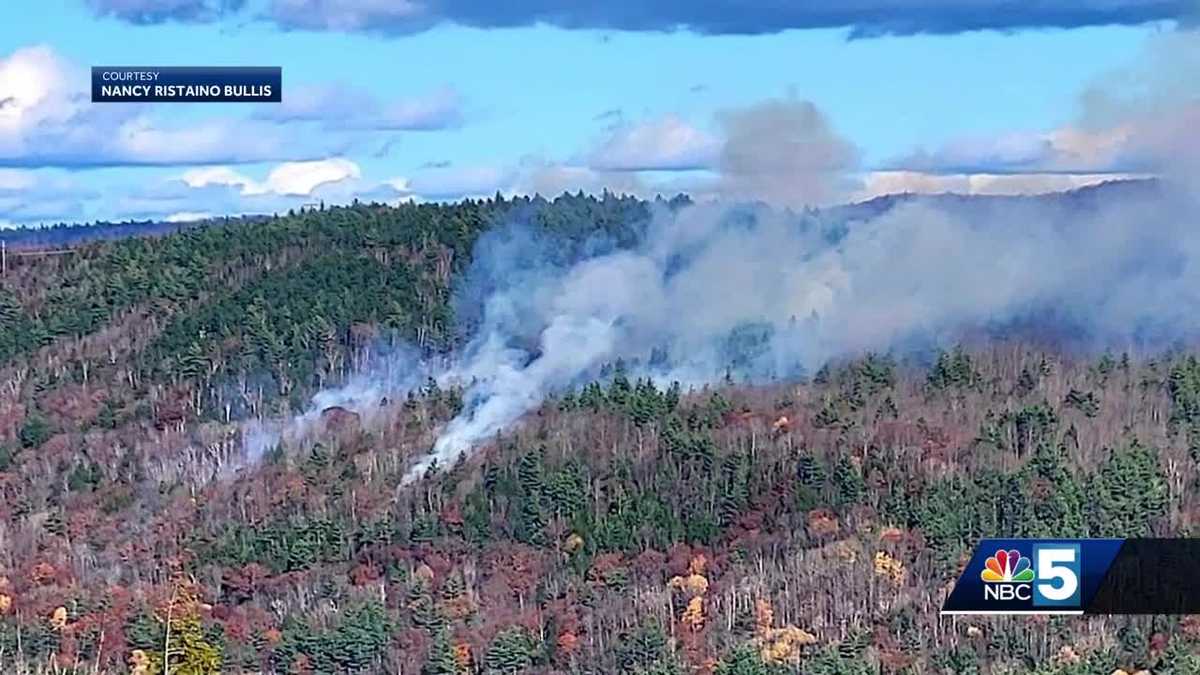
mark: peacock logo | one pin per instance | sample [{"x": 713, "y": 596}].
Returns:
[{"x": 1007, "y": 567}]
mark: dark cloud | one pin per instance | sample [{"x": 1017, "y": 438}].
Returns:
[
  {"x": 159, "y": 11},
  {"x": 865, "y": 18}
]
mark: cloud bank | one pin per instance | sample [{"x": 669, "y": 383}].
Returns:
[
  {"x": 341, "y": 107},
  {"x": 47, "y": 120},
  {"x": 864, "y": 18},
  {"x": 158, "y": 11}
]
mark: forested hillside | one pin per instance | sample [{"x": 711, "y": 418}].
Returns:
[{"x": 809, "y": 526}]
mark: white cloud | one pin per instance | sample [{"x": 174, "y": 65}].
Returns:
[
  {"x": 34, "y": 91},
  {"x": 187, "y": 216},
  {"x": 33, "y": 196},
  {"x": 878, "y": 183},
  {"x": 345, "y": 16},
  {"x": 48, "y": 120},
  {"x": 1069, "y": 149},
  {"x": 341, "y": 107},
  {"x": 302, "y": 178},
  {"x": 455, "y": 182},
  {"x": 16, "y": 179},
  {"x": 216, "y": 175},
  {"x": 287, "y": 179},
  {"x": 666, "y": 144}
]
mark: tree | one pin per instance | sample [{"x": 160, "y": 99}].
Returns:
[
  {"x": 189, "y": 652},
  {"x": 1128, "y": 494},
  {"x": 645, "y": 651},
  {"x": 511, "y": 651},
  {"x": 441, "y": 660},
  {"x": 953, "y": 370},
  {"x": 35, "y": 431},
  {"x": 172, "y": 641},
  {"x": 743, "y": 661},
  {"x": 848, "y": 482},
  {"x": 1055, "y": 496}
]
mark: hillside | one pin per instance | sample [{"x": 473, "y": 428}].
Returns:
[{"x": 811, "y": 524}]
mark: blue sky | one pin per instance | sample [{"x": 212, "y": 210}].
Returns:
[{"x": 412, "y": 103}]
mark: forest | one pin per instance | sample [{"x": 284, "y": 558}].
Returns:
[{"x": 806, "y": 525}]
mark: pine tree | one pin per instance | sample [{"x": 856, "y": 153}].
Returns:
[
  {"x": 645, "y": 651},
  {"x": 440, "y": 660},
  {"x": 1056, "y": 496},
  {"x": 848, "y": 482},
  {"x": 1128, "y": 494},
  {"x": 511, "y": 651}
]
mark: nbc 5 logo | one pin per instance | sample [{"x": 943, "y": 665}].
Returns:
[{"x": 1050, "y": 579}]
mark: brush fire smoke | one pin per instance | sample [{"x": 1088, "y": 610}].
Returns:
[
  {"x": 707, "y": 290},
  {"x": 772, "y": 293}
]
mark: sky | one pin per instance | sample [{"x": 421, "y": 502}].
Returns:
[{"x": 803, "y": 103}]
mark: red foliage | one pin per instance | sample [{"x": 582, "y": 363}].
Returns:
[
  {"x": 822, "y": 524},
  {"x": 602, "y": 566},
  {"x": 679, "y": 557},
  {"x": 649, "y": 566},
  {"x": 240, "y": 584},
  {"x": 364, "y": 574},
  {"x": 172, "y": 409},
  {"x": 44, "y": 574},
  {"x": 73, "y": 404}
]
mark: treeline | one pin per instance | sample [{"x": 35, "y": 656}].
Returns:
[
  {"x": 628, "y": 527},
  {"x": 625, "y": 527}
]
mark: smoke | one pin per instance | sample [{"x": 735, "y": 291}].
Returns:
[
  {"x": 784, "y": 152},
  {"x": 395, "y": 370},
  {"x": 766, "y": 292},
  {"x": 1154, "y": 107},
  {"x": 773, "y": 293}
]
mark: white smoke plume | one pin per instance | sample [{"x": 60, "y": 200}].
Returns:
[
  {"x": 1116, "y": 267},
  {"x": 774, "y": 293},
  {"x": 784, "y": 152},
  {"x": 1125, "y": 273},
  {"x": 395, "y": 371}
]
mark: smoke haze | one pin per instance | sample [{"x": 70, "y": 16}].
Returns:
[
  {"x": 765, "y": 292},
  {"x": 773, "y": 294}
]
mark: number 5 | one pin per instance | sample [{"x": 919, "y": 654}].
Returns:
[{"x": 1060, "y": 565}]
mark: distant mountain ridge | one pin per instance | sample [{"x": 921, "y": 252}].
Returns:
[{"x": 69, "y": 234}]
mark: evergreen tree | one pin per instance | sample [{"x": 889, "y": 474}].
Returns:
[
  {"x": 511, "y": 651},
  {"x": 440, "y": 660},
  {"x": 1128, "y": 495},
  {"x": 645, "y": 651},
  {"x": 848, "y": 484}
]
